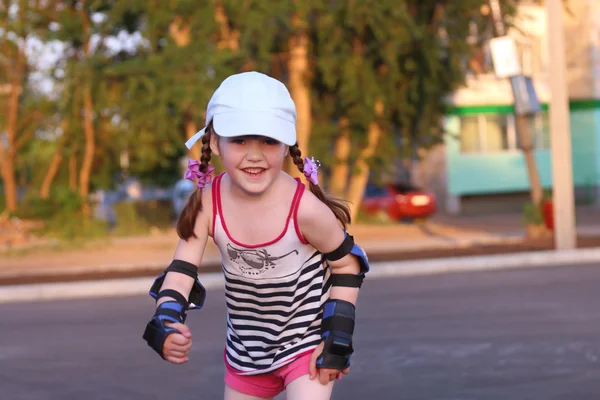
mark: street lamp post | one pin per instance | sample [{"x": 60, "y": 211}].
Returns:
[{"x": 560, "y": 132}]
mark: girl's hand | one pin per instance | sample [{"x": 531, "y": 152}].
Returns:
[
  {"x": 325, "y": 375},
  {"x": 177, "y": 345}
]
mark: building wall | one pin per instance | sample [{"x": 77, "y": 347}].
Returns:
[
  {"x": 500, "y": 172},
  {"x": 471, "y": 172}
]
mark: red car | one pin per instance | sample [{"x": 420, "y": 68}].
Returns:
[{"x": 399, "y": 201}]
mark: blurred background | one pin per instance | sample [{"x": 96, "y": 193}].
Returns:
[
  {"x": 397, "y": 99},
  {"x": 432, "y": 118}
]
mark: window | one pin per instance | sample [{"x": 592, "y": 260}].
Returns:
[
  {"x": 542, "y": 131},
  {"x": 469, "y": 135},
  {"x": 484, "y": 133},
  {"x": 496, "y": 133},
  {"x": 492, "y": 133}
]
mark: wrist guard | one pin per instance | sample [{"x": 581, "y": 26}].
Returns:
[
  {"x": 337, "y": 328},
  {"x": 156, "y": 332}
]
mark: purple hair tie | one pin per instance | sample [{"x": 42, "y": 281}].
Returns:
[
  {"x": 311, "y": 170},
  {"x": 193, "y": 173}
]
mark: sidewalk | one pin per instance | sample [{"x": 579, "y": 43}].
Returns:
[{"x": 147, "y": 256}]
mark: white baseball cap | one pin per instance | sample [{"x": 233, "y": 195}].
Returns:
[{"x": 251, "y": 103}]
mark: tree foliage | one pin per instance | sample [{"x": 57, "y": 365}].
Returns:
[{"x": 152, "y": 65}]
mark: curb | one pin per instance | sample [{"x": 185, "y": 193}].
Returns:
[
  {"x": 139, "y": 286},
  {"x": 381, "y": 247}
]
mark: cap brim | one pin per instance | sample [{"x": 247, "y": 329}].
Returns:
[
  {"x": 191, "y": 141},
  {"x": 252, "y": 123}
]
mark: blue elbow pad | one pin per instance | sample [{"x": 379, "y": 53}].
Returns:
[
  {"x": 198, "y": 292},
  {"x": 349, "y": 247}
]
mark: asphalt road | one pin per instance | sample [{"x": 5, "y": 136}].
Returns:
[{"x": 528, "y": 334}]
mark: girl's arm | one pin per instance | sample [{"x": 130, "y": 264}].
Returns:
[
  {"x": 191, "y": 251},
  {"x": 321, "y": 229},
  {"x": 166, "y": 332}
]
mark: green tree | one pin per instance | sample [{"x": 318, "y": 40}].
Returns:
[
  {"x": 20, "y": 21},
  {"x": 187, "y": 50},
  {"x": 384, "y": 70}
]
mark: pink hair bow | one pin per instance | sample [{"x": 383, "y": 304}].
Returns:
[
  {"x": 311, "y": 170},
  {"x": 193, "y": 173}
]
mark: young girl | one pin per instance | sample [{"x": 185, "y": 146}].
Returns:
[{"x": 292, "y": 274}]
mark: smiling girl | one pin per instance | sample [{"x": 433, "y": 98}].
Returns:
[{"x": 292, "y": 273}]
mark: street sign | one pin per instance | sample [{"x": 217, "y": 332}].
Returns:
[
  {"x": 505, "y": 57},
  {"x": 526, "y": 100}
]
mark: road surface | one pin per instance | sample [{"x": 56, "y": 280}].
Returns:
[{"x": 521, "y": 334}]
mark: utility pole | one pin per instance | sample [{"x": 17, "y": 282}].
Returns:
[
  {"x": 560, "y": 132},
  {"x": 525, "y": 99}
]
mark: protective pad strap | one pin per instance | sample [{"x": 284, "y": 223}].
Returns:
[
  {"x": 183, "y": 267},
  {"x": 342, "y": 250},
  {"x": 171, "y": 311},
  {"x": 338, "y": 323},
  {"x": 198, "y": 292},
  {"x": 338, "y": 315},
  {"x": 173, "y": 294},
  {"x": 347, "y": 280}
]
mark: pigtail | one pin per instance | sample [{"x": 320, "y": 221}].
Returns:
[
  {"x": 338, "y": 206},
  {"x": 187, "y": 218}
]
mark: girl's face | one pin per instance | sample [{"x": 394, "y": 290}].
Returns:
[{"x": 252, "y": 162}]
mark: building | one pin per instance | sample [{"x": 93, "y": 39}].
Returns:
[{"x": 483, "y": 167}]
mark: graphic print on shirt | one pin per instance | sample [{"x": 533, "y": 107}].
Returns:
[{"x": 254, "y": 261}]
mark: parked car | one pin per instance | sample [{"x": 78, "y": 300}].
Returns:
[{"x": 400, "y": 201}]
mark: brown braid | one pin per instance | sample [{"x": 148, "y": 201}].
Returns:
[
  {"x": 338, "y": 206},
  {"x": 187, "y": 218}
]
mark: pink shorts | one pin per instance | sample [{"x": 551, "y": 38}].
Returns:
[{"x": 269, "y": 384}]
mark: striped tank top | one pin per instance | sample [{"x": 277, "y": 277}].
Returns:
[{"x": 274, "y": 292}]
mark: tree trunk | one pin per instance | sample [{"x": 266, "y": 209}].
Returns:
[
  {"x": 535, "y": 185},
  {"x": 73, "y": 171},
  {"x": 341, "y": 152},
  {"x": 51, "y": 174},
  {"x": 180, "y": 32},
  {"x": 190, "y": 130},
  {"x": 88, "y": 124},
  {"x": 359, "y": 181},
  {"x": 89, "y": 149},
  {"x": 8, "y": 154},
  {"x": 10, "y": 184},
  {"x": 54, "y": 164},
  {"x": 299, "y": 90},
  {"x": 228, "y": 38}
]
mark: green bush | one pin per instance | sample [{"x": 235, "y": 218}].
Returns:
[
  {"x": 61, "y": 201},
  {"x": 533, "y": 214},
  {"x": 138, "y": 217},
  {"x": 129, "y": 222},
  {"x": 74, "y": 227}
]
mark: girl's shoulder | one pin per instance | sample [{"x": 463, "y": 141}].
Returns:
[
  {"x": 312, "y": 211},
  {"x": 318, "y": 224}
]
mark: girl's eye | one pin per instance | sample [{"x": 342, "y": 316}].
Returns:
[
  {"x": 271, "y": 142},
  {"x": 238, "y": 141}
]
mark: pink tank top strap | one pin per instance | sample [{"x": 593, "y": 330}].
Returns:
[
  {"x": 295, "y": 205},
  {"x": 216, "y": 200}
]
